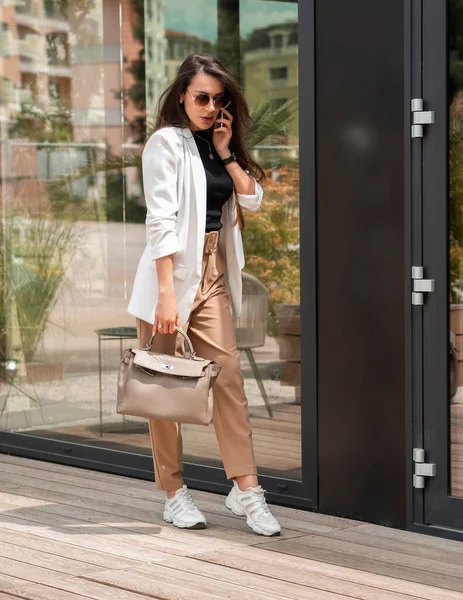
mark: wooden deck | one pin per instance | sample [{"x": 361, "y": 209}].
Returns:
[{"x": 68, "y": 534}]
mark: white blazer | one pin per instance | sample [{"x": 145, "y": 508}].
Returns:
[{"x": 174, "y": 184}]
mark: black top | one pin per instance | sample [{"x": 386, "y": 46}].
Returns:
[{"x": 219, "y": 182}]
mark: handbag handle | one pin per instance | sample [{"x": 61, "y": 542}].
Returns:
[{"x": 189, "y": 350}]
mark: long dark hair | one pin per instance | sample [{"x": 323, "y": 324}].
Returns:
[{"x": 171, "y": 113}]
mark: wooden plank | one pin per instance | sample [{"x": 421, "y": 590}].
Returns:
[
  {"x": 358, "y": 549},
  {"x": 303, "y": 588},
  {"x": 169, "y": 583},
  {"x": 419, "y": 539},
  {"x": 75, "y": 526},
  {"x": 37, "y": 591},
  {"x": 10, "y": 584},
  {"x": 34, "y": 542},
  {"x": 343, "y": 580},
  {"x": 286, "y": 417},
  {"x": 78, "y": 491},
  {"x": 23, "y": 501},
  {"x": 56, "y": 581},
  {"x": 272, "y": 426},
  {"x": 53, "y": 562},
  {"x": 100, "y": 543},
  {"x": 365, "y": 563},
  {"x": 73, "y": 482},
  {"x": 403, "y": 547}
]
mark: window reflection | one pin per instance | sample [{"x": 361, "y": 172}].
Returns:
[
  {"x": 78, "y": 93},
  {"x": 456, "y": 245}
]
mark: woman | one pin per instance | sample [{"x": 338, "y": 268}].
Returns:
[{"x": 190, "y": 272}]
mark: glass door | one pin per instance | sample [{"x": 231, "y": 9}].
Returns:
[
  {"x": 438, "y": 248},
  {"x": 79, "y": 85}
]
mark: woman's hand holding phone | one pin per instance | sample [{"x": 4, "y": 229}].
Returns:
[{"x": 222, "y": 133}]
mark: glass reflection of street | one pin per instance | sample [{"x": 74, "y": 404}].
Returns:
[
  {"x": 73, "y": 121},
  {"x": 456, "y": 245}
]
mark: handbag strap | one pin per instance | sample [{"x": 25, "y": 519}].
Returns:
[{"x": 189, "y": 350}]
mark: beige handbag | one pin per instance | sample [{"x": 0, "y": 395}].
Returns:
[{"x": 165, "y": 387}]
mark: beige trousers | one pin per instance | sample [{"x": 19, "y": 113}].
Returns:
[{"x": 210, "y": 328}]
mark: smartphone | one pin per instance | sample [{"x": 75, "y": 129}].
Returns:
[{"x": 221, "y": 116}]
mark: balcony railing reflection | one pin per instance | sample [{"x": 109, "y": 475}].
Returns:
[
  {"x": 25, "y": 96},
  {"x": 7, "y": 92},
  {"x": 7, "y": 44},
  {"x": 30, "y": 12},
  {"x": 31, "y": 8},
  {"x": 31, "y": 46}
]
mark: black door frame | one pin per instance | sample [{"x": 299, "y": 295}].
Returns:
[
  {"x": 431, "y": 510},
  {"x": 284, "y": 491}
]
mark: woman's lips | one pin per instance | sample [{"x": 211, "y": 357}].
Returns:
[{"x": 207, "y": 118}]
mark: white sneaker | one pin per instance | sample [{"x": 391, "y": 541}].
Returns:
[
  {"x": 181, "y": 510},
  {"x": 251, "y": 503}
]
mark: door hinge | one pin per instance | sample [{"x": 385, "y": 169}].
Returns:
[
  {"x": 422, "y": 469},
  {"x": 420, "y": 286},
  {"x": 420, "y": 117}
]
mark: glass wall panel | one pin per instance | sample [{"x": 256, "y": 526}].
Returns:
[
  {"x": 456, "y": 247},
  {"x": 79, "y": 82}
]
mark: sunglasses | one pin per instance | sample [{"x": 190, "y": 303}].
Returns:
[{"x": 202, "y": 100}]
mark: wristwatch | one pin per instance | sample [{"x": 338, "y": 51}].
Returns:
[{"x": 227, "y": 161}]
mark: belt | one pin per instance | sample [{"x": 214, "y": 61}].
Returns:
[{"x": 211, "y": 242}]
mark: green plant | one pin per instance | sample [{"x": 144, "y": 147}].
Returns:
[
  {"x": 271, "y": 239},
  {"x": 38, "y": 252}
]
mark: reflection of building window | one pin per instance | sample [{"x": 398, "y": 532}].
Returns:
[
  {"x": 292, "y": 40},
  {"x": 53, "y": 89},
  {"x": 151, "y": 87},
  {"x": 278, "y": 41},
  {"x": 278, "y": 73},
  {"x": 150, "y": 48},
  {"x": 276, "y": 103},
  {"x": 55, "y": 10},
  {"x": 56, "y": 49}
]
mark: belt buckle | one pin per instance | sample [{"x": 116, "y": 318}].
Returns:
[{"x": 211, "y": 245}]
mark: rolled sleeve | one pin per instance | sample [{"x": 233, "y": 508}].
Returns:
[
  {"x": 159, "y": 164},
  {"x": 251, "y": 201}
]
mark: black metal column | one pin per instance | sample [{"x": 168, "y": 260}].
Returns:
[{"x": 361, "y": 292}]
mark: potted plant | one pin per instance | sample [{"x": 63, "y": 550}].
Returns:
[
  {"x": 38, "y": 251},
  {"x": 272, "y": 248}
]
